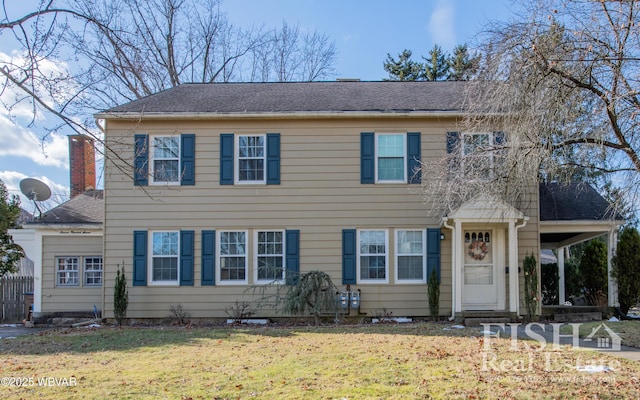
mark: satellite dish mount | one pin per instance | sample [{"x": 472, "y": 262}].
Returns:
[{"x": 35, "y": 191}]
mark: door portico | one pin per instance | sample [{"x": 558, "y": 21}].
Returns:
[{"x": 481, "y": 265}]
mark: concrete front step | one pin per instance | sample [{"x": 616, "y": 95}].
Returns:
[{"x": 578, "y": 317}]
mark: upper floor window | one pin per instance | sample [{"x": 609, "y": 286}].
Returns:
[
  {"x": 164, "y": 257},
  {"x": 165, "y": 159},
  {"x": 475, "y": 153},
  {"x": 391, "y": 158},
  {"x": 251, "y": 159}
]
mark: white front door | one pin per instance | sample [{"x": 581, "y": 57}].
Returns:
[{"x": 482, "y": 283}]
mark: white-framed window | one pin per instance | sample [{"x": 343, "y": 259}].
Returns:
[
  {"x": 164, "y": 260},
  {"x": 478, "y": 154},
  {"x": 391, "y": 157},
  {"x": 411, "y": 250},
  {"x": 67, "y": 271},
  {"x": 269, "y": 250},
  {"x": 373, "y": 256},
  {"x": 164, "y": 158},
  {"x": 93, "y": 271},
  {"x": 251, "y": 158},
  {"x": 232, "y": 257}
]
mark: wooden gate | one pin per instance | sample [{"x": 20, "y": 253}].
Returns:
[{"x": 13, "y": 308}]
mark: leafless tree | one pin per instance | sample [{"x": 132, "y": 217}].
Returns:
[
  {"x": 292, "y": 55},
  {"x": 79, "y": 57},
  {"x": 562, "y": 83}
]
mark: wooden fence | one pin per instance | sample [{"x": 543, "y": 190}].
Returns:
[{"x": 12, "y": 298}]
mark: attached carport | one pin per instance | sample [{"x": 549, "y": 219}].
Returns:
[{"x": 575, "y": 213}]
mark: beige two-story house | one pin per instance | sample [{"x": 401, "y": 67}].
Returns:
[{"x": 214, "y": 189}]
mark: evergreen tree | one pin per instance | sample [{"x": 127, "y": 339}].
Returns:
[
  {"x": 626, "y": 268},
  {"x": 436, "y": 65},
  {"x": 10, "y": 252},
  {"x": 120, "y": 296},
  {"x": 593, "y": 266},
  {"x": 462, "y": 65},
  {"x": 404, "y": 68}
]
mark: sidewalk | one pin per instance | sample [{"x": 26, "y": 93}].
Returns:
[{"x": 10, "y": 331}]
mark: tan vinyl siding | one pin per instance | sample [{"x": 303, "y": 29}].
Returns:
[
  {"x": 320, "y": 194},
  {"x": 57, "y": 298}
]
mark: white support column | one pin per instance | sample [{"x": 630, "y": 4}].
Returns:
[
  {"x": 612, "y": 287},
  {"x": 514, "y": 294},
  {"x": 457, "y": 264},
  {"x": 561, "y": 279}
]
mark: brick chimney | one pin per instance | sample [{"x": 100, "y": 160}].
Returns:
[{"x": 82, "y": 164}]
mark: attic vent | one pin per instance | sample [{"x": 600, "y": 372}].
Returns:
[{"x": 348, "y": 80}]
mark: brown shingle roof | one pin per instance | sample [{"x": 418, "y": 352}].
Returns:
[
  {"x": 300, "y": 97},
  {"x": 86, "y": 208}
]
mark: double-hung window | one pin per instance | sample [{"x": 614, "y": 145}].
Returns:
[
  {"x": 391, "y": 158},
  {"x": 67, "y": 271},
  {"x": 93, "y": 271},
  {"x": 373, "y": 256},
  {"x": 270, "y": 251},
  {"x": 165, "y": 159},
  {"x": 251, "y": 158},
  {"x": 164, "y": 257},
  {"x": 411, "y": 266},
  {"x": 233, "y": 257}
]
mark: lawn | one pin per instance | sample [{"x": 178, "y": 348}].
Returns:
[{"x": 331, "y": 362}]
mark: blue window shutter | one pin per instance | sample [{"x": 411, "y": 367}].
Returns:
[
  {"x": 367, "y": 157},
  {"x": 292, "y": 261},
  {"x": 226, "y": 159},
  {"x": 188, "y": 159},
  {"x": 208, "y": 258},
  {"x": 453, "y": 139},
  {"x": 498, "y": 138},
  {"x": 139, "y": 258},
  {"x": 186, "y": 258},
  {"x": 414, "y": 174},
  {"x": 273, "y": 158},
  {"x": 141, "y": 160},
  {"x": 433, "y": 252},
  {"x": 349, "y": 256}
]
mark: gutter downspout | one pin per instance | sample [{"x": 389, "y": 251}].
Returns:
[
  {"x": 104, "y": 236},
  {"x": 517, "y": 292},
  {"x": 453, "y": 269}
]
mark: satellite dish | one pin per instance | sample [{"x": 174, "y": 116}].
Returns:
[{"x": 34, "y": 189}]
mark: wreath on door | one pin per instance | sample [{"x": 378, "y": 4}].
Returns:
[{"x": 478, "y": 250}]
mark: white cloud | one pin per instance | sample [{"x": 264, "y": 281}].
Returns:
[
  {"x": 17, "y": 141},
  {"x": 441, "y": 24}
]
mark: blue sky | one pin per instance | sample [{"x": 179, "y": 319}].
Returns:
[{"x": 364, "y": 32}]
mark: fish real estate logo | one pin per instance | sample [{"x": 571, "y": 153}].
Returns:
[{"x": 537, "y": 347}]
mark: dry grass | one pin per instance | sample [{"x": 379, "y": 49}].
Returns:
[{"x": 353, "y": 362}]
